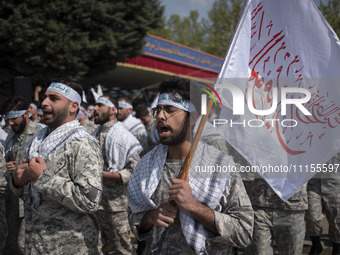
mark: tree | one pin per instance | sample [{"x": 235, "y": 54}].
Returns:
[
  {"x": 188, "y": 31},
  {"x": 212, "y": 36},
  {"x": 331, "y": 12},
  {"x": 73, "y": 39},
  {"x": 223, "y": 19}
]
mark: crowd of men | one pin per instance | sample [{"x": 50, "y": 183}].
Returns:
[{"x": 79, "y": 179}]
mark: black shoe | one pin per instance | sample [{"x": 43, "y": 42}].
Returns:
[
  {"x": 336, "y": 249},
  {"x": 316, "y": 248}
]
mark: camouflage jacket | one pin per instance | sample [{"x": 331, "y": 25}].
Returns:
[
  {"x": 327, "y": 182},
  {"x": 114, "y": 194},
  {"x": 234, "y": 222},
  {"x": 89, "y": 126},
  {"x": 262, "y": 195},
  {"x": 16, "y": 144},
  {"x": 15, "y": 147},
  {"x": 64, "y": 222}
]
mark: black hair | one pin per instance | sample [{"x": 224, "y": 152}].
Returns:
[
  {"x": 176, "y": 85},
  {"x": 188, "y": 89},
  {"x": 141, "y": 111},
  {"x": 16, "y": 103}
]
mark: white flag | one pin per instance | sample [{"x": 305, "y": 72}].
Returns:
[
  {"x": 95, "y": 94},
  {"x": 281, "y": 47},
  {"x": 84, "y": 97},
  {"x": 155, "y": 101},
  {"x": 99, "y": 90}
]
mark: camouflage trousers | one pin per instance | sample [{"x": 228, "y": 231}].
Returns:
[
  {"x": 3, "y": 224},
  {"x": 330, "y": 205},
  {"x": 115, "y": 232},
  {"x": 283, "y": 227}
]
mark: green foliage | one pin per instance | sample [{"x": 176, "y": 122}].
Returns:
[
  {"x": 212, "y": 36},
  {"x": 223, "y": 19},
  {"x": 187, "y": 30},
  {"x": 331, "y": 11},
  {"x": 73, "y": 39}
]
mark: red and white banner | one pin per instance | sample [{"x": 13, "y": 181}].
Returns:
[{"x": 279, "y": 49}]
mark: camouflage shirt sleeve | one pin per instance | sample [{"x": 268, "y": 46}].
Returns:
[
  {"x": 125, "y": 173},
  {"x": 235, "y": 221},
  {"x": 79, "y": 187}
]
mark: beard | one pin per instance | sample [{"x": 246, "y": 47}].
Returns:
[
  {"x": 21, "y": 127},
  {"x": 105, "y": 117},
  {"x": 178, "y": 136},
  {"x": 58, "y": 118}
]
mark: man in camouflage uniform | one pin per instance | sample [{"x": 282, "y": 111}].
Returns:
[
  {"x": 213, "y": 212},
  {"x": 275, "y": 219},
  {"x": 323, "y": 196},
  {"x": 131, "y": 123},
  {"x": 3, "y": 185},
  {"x": 150, "y": 124},
  {"x": 121, "y": 152},
  {"x": 22, "y": 132},
  {"x": 61, "y": 179}
]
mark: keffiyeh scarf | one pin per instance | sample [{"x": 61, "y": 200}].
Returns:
[
  {"x": 46, "y": 145},
  {"x": 207, "y": 188}
]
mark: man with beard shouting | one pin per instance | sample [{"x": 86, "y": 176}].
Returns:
[
  {"x": 61, "y": 179},
  {"x": 212, "y": 212}
]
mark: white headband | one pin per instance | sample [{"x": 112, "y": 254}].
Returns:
[
  {"x": 104, "y": 100},
  {"x": 14, "y": 114},
  {"x": 66, "y": 91},
  {"x": 124, "y": 105},
  {"x": 177, "y": 101},
  {"x": 33, "y": 105}
]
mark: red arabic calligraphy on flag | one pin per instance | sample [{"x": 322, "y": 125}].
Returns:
[{"x": 284, "y": 44}]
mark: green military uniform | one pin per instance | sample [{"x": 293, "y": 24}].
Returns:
[{"x": 16, "y": 145}]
